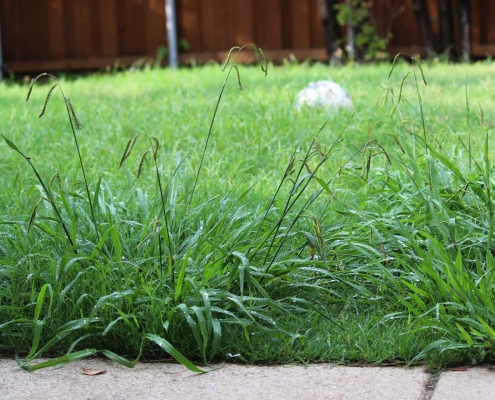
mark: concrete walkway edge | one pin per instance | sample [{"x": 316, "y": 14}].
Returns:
[{"x": 172, "y": 381}]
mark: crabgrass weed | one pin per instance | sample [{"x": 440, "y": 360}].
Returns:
[{"x": 260, "y": 234}]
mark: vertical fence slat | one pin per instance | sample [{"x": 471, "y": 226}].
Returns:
[
  {"x": 189, "y": 23},
  {"x": 300, "y": 29},
  {"x": 404, "y": 28},
  {"x": 155, "y": 29},
  {"x": 476, "y": 22},
  {"x": 130, "y": 22},
  {"x": 108, "y": 28},
  {"x": 11, "y": 13},
  {"x": 433, "y": 12},
  {"x": 70, "y": 40},
  {"x": 488, "y": 16},
  {"x": 214, "y": 24},
  {"x": 268, "y": 25},
  {"x": 29, "y": 34},
  {"x": 6, "y": 13},
  {"x": 455, "y": 26},
  {"x": 56, "y": 40},
  {"x": 241, "y": 22},
  {"x": 43, "y": 31},
  {"x": 82, "y": 28},
  {"x": 316, "y": 26},
  {"x": 95, "y": 26},
  {"x": 286, "y": 20}
]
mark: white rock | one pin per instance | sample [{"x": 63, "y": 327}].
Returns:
[{"x": 324, "y": 94}]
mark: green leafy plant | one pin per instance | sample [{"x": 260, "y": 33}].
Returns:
[
  {"x": 162, "y": 266},
  {"x": 371, "y": 242},
  {"x": 368, "y": 44}
]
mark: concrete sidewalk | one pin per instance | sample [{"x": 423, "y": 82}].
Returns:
[{"x": 170, "y": 381}]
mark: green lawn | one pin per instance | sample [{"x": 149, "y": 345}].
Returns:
[{"x": 375, "y": 245}]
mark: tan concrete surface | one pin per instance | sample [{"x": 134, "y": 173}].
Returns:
[
  {"x": 474, "y": 384},
  {"x": 169, "y": 381}
]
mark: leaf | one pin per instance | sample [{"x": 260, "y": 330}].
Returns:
[
  {"x": 60, "y": 360},
  {"x": 119, "y": 359},
  {"x": 10, "y": 144},
  {"x": 38, "y": 328},
  {"x": 182, "y": 273},
  {"x": 165, "y": 345},
  {"x": 93, "y": 372}
]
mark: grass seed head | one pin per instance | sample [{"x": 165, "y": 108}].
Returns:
[
  {"x": 155, "y": 147},
  {"x": 260, "y": 56},
  {"x": 238, "y": 77},
  {"x": 141, "y": 162},
  {"x": 33, "y": 216},
  {"x": 32, "y": 84},
  {"x": 56, "y": 177},
  {"x": 47, "y": 99},
  {"x": 228, "y": 57},
  {"x": 128, "y": 149},
  {"x": 75, "y": 120}
]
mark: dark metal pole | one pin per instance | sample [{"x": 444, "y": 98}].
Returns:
[
  {"x": 463, "y": 12},
  {"x": 170, "y": 15}
]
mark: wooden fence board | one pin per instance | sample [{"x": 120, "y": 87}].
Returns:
[
  {"x": 242, "y": 22},
  {"x": 215, "y": 21},
  {"x": 78, "y": 34},
  {"x": 316, "y": 26},
  {"x": 39, "y": 42},
  {"x": 82, "y": 28},
  {"x": 404, "y": 28},
  {"x": 71, "y": 64},
  {"x": 300, "y": 32},
  {"x": 456, "y": 27},
  {"x": 285, "y": 11},
  {"x": 24, "y": 45},
  {"x": 130, "y": 22},
  {"x": 189, "y": 16},
  {"x": 30, "y": 35},
  {"x": 6, "y": 27},
  {"x": 154, "y": 25},
  {"x": 268, "y": 24},
  {"x": 476, "y": 22},
  {"x": 488, "y": 8},
  {"x": 249, "y": 56},
  {"x": 109, "y": 28},
  {"x": 57, "y": 44},
  {"x": 95, "y": 28},
  {"x": 70, "y": 38}
]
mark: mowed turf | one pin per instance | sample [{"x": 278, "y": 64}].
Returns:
[{"x": 372, "y": 243}]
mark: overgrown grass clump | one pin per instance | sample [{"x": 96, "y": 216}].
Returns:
[{"x": 259, "y": 234}]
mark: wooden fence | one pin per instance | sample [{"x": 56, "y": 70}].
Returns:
[{"x": 88, "y": 34}]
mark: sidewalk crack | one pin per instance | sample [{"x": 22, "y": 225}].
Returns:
[{"x": 429, "y": 388}]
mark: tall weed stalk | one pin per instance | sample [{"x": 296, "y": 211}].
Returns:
[
  {"x": 75, "y": 124},
  {"x": 209, "y": 285}
]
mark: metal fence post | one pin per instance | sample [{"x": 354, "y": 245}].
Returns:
[{"x": 173, "y": 58}]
